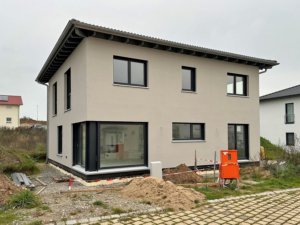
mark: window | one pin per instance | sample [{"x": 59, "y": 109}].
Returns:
[
  {"x": 188, "y": 131},
  {"x": 289, "y": 113},
  {"x": 123, "y": 144},
  {"x": 188, "y": 79},
  {"x": 68, "y": 90},
  {"x": 238, "y": 140},
  {"x": 130, "y": 71},
  {"x": 55, "y": 99},
  {"x": 8, "y": 107},
  {"x": 236, "y": 84},
  {"x": 8, "y": 120},
  {"x": 59, "y": 138},
  {"x": 290, "y": 139}
]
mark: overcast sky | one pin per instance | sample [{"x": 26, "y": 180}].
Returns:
[{"x": 267, "y": 29}]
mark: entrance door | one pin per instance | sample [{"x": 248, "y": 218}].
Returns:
[
  {"x": 80, "y": 144},
  {"x": 238, "y": 139}
]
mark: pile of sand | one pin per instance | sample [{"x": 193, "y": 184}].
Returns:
[
  {"x": 159, "y": 192},
  {"x": 6, "y": 188},
  {"x": 184, "y": 178},
  {"x": 256, "y": 171}
]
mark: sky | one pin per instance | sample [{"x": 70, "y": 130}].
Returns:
[{"x": 266, "y": 29}]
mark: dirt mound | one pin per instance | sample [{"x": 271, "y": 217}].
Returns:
[
  {"x": 256, "y": 171},
  {"x": 159, "y": 192},
  {"x": 6, "y": 188},
  {"x": 7, "y": 158},
  {"x": 184, "y": 178}
]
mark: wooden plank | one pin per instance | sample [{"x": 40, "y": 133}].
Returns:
[
  {"x": 41, "y": 181},
  {"x": 93, "y": 190},
  {"x": 41, "y": 190}
]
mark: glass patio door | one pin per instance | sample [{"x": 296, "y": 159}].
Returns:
[
  {"x": 80, "y": 145},
  {"x": 238, "y": 139}
]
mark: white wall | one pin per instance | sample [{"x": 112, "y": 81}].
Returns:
[
  {"x": 272, "y": 121},
  {"x": 12, "y": 112}
]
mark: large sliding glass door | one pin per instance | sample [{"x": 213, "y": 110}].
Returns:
[
  {"x": 80, "y": 144},
  {"x": 238, "y": 140}
]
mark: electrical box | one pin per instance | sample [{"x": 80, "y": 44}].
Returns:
[{"x": 229, "y": 167}]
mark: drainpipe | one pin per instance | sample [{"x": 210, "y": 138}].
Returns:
[
  {"x": 47, "y": 154},
  {"x": 263, "y": 71}
]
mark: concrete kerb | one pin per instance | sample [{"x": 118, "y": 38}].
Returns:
[{"x": 253, "y": 195}]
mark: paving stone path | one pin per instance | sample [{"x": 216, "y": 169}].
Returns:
[{"x": 279, "y": 208}]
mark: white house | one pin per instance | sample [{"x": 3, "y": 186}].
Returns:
[{"x": 278, "y": 116}]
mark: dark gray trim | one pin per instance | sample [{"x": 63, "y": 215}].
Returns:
[
  {"x": 76, "y": 31},
  {"x": 202, "y": 125}
]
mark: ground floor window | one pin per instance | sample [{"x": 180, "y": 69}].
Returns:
[
  {"x": 188, "y": 131},
  {"x": 238, "y": 140},
  {"x": 290, "y": 139},
  {"x": 79, "y": 138},
  {"x": 122, "y": 144},
  {"x": 60, "y": 138}
]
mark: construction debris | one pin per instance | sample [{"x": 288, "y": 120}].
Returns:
[
  {"x": 7, "y": 188},
  {"x": 186, "y": 178},
  {"x": 22, "y": 179},
  {"x": 41, "y": 190},
  {"x": 158, "y": 192},
  {"x": 41, "y": 182},
  {"x": 62, "y": 179}
]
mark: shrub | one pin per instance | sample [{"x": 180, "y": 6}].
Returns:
[
  {"x": 100, "y": 203},
  {"x": 197, "y": 201},
  {"x": 24, "y": 199}
]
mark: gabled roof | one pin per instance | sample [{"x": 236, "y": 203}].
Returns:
[
  {"x": 288, "y": 92},
  {"x": 76, "y": 31},
  {"x": 10, "y": 100}
]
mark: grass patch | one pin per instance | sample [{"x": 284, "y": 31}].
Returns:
[
  {"x": 37, "y": 222},
  {"x": 197, "y": 201},
  {"x": 146, "y": 202},
  {"x": 8, "y": 217},
  {"x": 24, "y": 199},
  {"x": 118, "y": 210},
  {"x": 45, "y": 207},
  {"x": 100, "y": 203},
  {"x": 272, "y": 152}
]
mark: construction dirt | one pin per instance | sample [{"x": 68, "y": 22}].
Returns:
[
  {"x": 255, "y": 171},
  {"x": 6, "y": 188},
  {"x": 184, "y": 178},
  {"x": 7, "y": 158},
  {"x": 156, "y": 191}
]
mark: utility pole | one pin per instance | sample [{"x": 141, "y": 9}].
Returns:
[{"x": 37, "y": 114}]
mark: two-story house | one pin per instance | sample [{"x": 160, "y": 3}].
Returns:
[
  {"x": 118, "y": 101},
  {"x": 10, "y": 111},
  {"x": 278, "y": 121}
]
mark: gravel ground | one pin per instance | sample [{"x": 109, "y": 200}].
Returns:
[{"x": 75, "y": 205}]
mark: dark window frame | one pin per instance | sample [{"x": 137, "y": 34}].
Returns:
[
  {"x": 193, "y": 78},
  {"x": 59, "y": 139},
  {"x": 202, "y": 125},
  {"x": 246, "y": 139},
  {"x": 245, "y": 89},
  {"x": 286, "y": 135},
  {"x": 68, "y": 89},
  {"x": 286, "y": 114},
  {"x": 9, "y": 118},
  {"x": 55, "y": 98},
  {"x": 129, "y": 60}
]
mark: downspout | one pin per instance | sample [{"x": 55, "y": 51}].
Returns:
[
  {"x": 263, "y": 71},
  {"x": 47, "y": 154}
]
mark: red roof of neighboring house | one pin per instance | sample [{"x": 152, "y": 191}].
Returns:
[{"x": 12, "y": 100}]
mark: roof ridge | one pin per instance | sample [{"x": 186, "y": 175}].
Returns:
[
  {"x": 279, "y": 91},
  {"x": 11, "y": 95}
]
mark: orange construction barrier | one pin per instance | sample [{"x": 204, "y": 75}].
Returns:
[{"x": 229, "y": 167}]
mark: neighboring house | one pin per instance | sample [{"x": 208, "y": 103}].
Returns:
[
  {"x": 118, "y": 101},
  {"x": 278, "y": 120},
  {"x": 10, "y": 111}
]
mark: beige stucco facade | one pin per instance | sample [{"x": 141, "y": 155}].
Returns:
[
  {"x": 96, "y": 98},
  {"x": 10, "y": 111}
]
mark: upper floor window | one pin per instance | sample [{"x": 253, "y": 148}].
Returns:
[
  {"x": 188, "y": 131},
  {"x": 130, "y": 71},
  {"x": 290, "y": 139},
  {"x": 188, "y": 79},
  {"x": 68, "y": 90},
  {"x": 236, "y": 84},
  {"x": 8, "y": 107},
  {"x": 8, "y": 120},
  {"x": 289, "y": 113},
  {"x": 54, "y": 99}
]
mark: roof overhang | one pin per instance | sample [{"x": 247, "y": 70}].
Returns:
[{"x": 76, "y": 31}]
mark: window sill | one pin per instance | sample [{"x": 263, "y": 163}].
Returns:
[
  {"x": 67, "y": 110},
  {"x": 185, "y": 141},
  {"x": 193, "y": 92},
  {"x": 54, "y": 115},
  {"x": 60, "y": 155},
  {"x": 241, "y": 96},
  {"x": 123, "y": 85}
]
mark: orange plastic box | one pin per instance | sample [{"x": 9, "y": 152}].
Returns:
[{"x": 229, "y": 167}]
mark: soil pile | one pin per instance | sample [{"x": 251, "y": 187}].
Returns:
[
  {"x": 256, "y": 171},
  {"x": 184, "y": 178},
  {"x": 7, "y": 158},
  {"x": 6, "y": 188},
  {"x": 158, "y": 192}
]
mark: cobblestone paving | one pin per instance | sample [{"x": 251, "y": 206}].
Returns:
[{"x": 281, "y": 208}]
